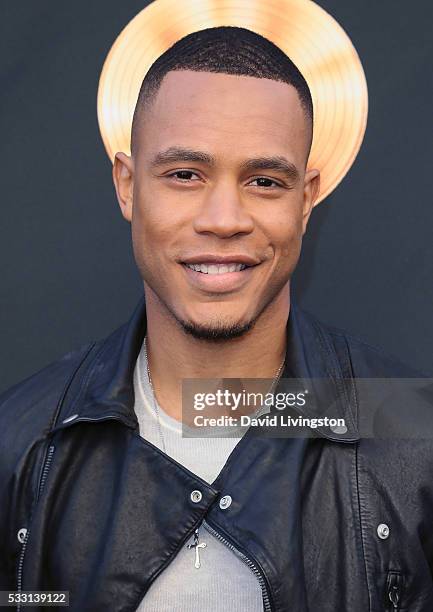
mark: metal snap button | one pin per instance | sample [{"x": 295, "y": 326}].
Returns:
[
  {"x": 21, "y": 535},
  {"x": 383, "y": 531},
  {"x": 225, "y": 502},
  {"x": 339, "y": 429},
  {"x": 196, "y": 496},
  {"x": 71, "y": 418}
]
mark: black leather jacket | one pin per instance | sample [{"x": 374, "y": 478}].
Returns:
[{"x": 90, "y": 507}]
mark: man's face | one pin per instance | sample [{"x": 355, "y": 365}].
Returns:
[{"x": 218, "y": 175}]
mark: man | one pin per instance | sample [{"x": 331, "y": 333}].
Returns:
[{"x": 101, "y": 494}]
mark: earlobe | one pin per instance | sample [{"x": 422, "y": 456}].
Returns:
[{"x": 123, "y": 179}]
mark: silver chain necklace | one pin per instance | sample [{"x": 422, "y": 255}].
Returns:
[{"x": 155, "y": 405}]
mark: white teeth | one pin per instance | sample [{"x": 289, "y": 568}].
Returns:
[{"x": 216, "y": 268}]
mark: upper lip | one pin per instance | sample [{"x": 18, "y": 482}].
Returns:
[{"x": 221, "y": 259}]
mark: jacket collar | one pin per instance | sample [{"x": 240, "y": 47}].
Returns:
[{"x": 104, "y": 388}]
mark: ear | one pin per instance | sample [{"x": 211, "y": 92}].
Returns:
[
  {"x": 311, "y": 192},
  {"x": 123, "y": 178}
]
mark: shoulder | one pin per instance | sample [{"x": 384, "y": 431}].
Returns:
[
  {"x": 28, "y": 408},
  {"x": 393, "y": 399},
  {"x": 366, "y": 360},
  {"x": 44, "y": 383}
]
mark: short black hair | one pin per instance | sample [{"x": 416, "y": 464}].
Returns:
[{"x": 228, "y": 50}]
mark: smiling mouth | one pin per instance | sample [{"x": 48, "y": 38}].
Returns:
[{"x": 215, "y": 269}]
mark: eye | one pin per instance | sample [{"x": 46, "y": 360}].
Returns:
[
  {"x": 266, "y": 182},
  {"x": 183, "y": 175}
]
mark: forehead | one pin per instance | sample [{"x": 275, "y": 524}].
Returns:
[{"x": 226, "y": 113}]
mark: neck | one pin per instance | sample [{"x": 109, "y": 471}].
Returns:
[{"x": 174, "y": 355}]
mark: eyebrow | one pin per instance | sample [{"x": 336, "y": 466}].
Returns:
[
  {"x": 176, "y": 154},
  {"x": 275, "y": 162},
  {"x": 183, "y": 154}
]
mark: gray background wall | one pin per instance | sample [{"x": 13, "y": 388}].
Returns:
[{"x": 67, "y": 270}]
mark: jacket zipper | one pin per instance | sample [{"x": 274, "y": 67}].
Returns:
[
  {"x": 43, "y": 478},
  {"x": 394, "y": 589},
  {"x": 267, "y": 606},
  {"x": 44, "y": 474}
]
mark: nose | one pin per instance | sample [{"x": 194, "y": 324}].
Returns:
[{"x": 223, "y": 212}]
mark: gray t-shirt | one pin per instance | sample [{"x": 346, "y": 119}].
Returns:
[{"x": 223, "y": 581}]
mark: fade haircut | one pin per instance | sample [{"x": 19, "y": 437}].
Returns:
[{"x": 227, "y": 50}]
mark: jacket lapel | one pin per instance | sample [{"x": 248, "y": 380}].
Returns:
[{"x": 105, "y": 388}]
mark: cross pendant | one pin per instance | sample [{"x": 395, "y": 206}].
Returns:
[{"x": 197, "y": 546}]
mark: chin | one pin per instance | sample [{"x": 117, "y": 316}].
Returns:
[
  {"x": 218, "y": 327},
  {"x": 216, "y": 333}
]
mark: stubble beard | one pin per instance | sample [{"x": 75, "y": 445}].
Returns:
[{"x": 221, "y": 332}]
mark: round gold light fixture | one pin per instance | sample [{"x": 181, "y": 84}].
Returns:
[{"x": 312, "y": 39}]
